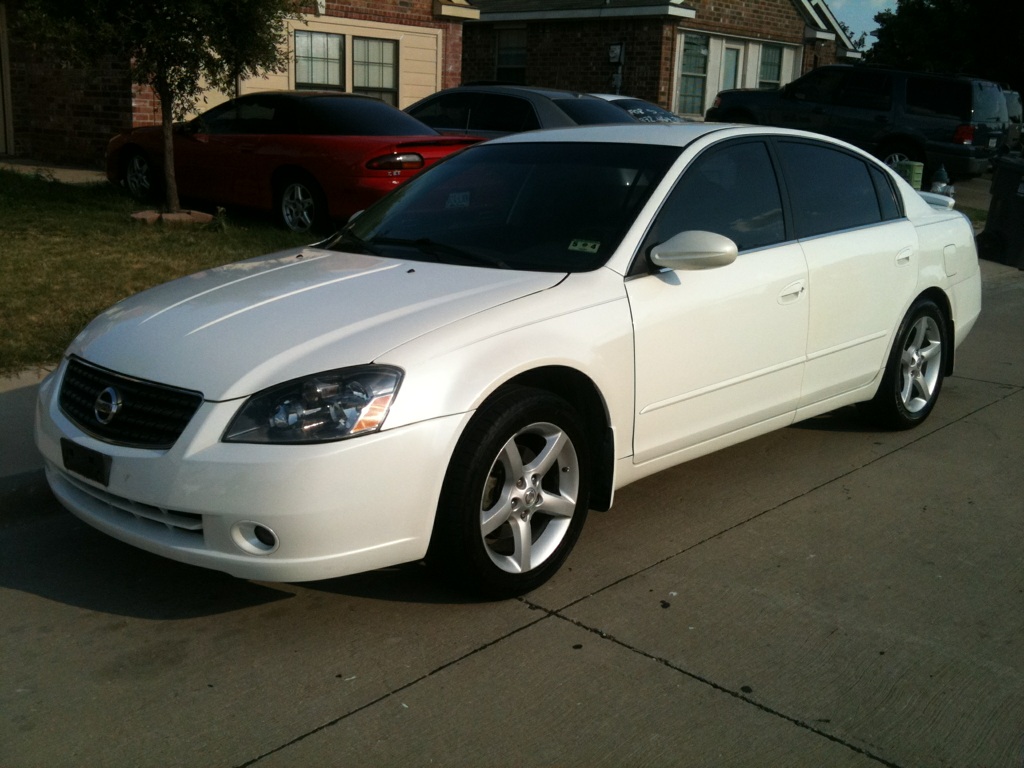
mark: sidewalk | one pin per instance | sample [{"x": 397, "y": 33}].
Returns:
[{"x": 62, "y": 173}]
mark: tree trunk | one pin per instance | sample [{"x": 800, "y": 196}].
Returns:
[{"x": 167, "y": 122}]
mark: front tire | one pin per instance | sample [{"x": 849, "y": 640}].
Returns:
[
  {"x": 141, "y": 178},
  {"x": 515, "y": 496},
  {"x": 914, "y": 373}
]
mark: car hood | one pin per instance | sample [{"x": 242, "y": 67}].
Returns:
[{"x": 237, "y": 329}]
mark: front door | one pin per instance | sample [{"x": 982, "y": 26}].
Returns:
[{"x": 728, "y": 340}]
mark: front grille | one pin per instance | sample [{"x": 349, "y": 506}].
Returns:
[{"x": 149, "y": 416}]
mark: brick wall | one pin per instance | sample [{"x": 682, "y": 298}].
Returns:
[
  {"x": 776, "y": 20},
  {"x": 66, "y": 115},
  {"x": 574, "y": 55}
]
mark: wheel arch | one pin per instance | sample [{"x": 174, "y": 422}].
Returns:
[
  {"x": 124, "y": 152},
  {"x": 941, "y": 299},
  {"x": 582, "y": 393}
]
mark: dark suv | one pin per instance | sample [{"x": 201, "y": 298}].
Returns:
[{"x": 955, "y": 121}]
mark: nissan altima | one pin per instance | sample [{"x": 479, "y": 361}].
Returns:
[{"x": 497, "y": 346}]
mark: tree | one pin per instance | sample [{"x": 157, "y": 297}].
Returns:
[
  {"x": 178, "y": 47},
  {"x": 858, "y": 42},
  {"x": 978, "y": 37}
]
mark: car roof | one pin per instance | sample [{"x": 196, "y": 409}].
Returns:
[
  {"x": 519, "y": 90},
  {"x": 668, "y": 134}
]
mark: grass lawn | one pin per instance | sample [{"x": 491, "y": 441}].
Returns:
[{"x": 69, "y": 251}]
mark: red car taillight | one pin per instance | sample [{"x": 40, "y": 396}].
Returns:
[
  {"x": 964, "y": 134},
  {"x": 408, "y": 161}
]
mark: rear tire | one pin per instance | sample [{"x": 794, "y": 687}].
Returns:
[
  {"x": 515, "y": 496},
  {"x": 300, "y": 204},
  {"x": 915, "y": 370}
]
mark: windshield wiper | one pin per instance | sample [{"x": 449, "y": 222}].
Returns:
[
  {"x": 436, "y": 249},
  {"x": 346, "y": 238}
]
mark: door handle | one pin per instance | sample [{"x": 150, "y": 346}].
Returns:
[
  {"x": 792, "y": 292},
  {"x": 903, "y": 257}
]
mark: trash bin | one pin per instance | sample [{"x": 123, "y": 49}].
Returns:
[
  {"x": 1003, "y": 238},
  {"x": 912, "y": 171}
]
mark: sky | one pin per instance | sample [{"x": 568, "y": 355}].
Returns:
[{"x": 859, "y": 15}]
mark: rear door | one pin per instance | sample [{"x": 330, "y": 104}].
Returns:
[{"x": 862, "y": 261}]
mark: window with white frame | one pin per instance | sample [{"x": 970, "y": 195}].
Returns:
[
  {"x": 375, "y": 68},
  {"x": 771, "y": 67},
  {"x": 693, "y": 74},
  {"x": 319, "y": 60}
]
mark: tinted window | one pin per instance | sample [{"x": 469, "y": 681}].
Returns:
[
  {"x": 508, "y": 114},
  {"x": 816, "y": 86},
  {"x": 732, "y": 191},
  {"x": 889, "y": 202},
  {"x": 560, "y": 207},
  {"x": 939, "y": 97},
  {"x": 239, "y": 116},
  {"x": 448, "y": 111},
  {"x": 866, "y": 90},
  {"x": 358, "y": 116},
  {"x": 830, "y": 190},
  {"x": 592, "y": 111}
]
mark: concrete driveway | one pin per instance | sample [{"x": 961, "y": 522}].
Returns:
[{"x": 823, "y": 596}]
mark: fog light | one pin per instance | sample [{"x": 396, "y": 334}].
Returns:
[{"x": 254, "y": 538}]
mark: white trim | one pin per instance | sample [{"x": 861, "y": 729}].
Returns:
[
  {"x": 455, "y": 9},
  {"x": 810, "y": 33},
  {"x": 591, "y": 13}
]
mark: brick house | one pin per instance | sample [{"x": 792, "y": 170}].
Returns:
[
  {"x": 676, "y": 53},
  {"x": 397, "y": 50}
]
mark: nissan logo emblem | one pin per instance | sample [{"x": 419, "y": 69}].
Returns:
[{"x": 107, "y": 406}]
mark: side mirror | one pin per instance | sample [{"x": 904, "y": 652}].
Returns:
[{"x": 695, "y": 249}]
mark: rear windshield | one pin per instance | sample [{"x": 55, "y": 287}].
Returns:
[
  {"x": 349, "y": 116},
  {"x": 645, "y": 112},
  {"x": 592, "y": 111},
  {"x": 989, "y": 103}
]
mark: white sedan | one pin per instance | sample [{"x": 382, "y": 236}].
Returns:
[{"x": 496, "y": 347}]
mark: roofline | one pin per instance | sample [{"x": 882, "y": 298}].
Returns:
[
  {"x": 822, "y": 14},
  {"x": 670, "y": 8}
]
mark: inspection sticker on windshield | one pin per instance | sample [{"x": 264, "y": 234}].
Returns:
[
  {"x": 585, "y": 246},
  {"x": 457, "y": 200}
]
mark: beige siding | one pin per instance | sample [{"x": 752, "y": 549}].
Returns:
[{"x": 420, "y": 54}]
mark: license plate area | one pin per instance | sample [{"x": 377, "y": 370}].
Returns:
[{"x": 86, "y": 462}]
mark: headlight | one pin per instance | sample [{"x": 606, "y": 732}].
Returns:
[{"x": 328, "y": 406}]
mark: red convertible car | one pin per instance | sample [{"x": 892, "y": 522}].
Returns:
[{"x": 310, "y": 157}]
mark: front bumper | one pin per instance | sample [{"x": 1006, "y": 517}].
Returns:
[{"x": 335, "y": 508}]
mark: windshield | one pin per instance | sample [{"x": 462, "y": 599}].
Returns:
[{"x": 553, "y": 207}]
